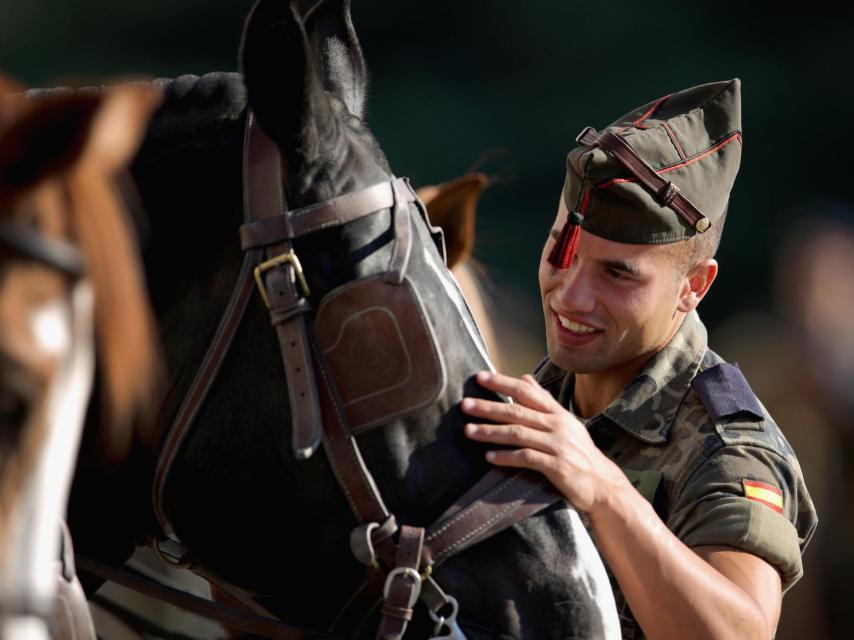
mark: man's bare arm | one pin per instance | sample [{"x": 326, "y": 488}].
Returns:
[
  {"x": 673, "y": 591},
  {"x": 677, "y": 592}
]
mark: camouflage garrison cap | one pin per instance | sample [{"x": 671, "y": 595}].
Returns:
[{"x": 663, "y": 171}]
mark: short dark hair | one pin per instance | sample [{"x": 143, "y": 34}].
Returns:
[{"x": 699, "y": 247}]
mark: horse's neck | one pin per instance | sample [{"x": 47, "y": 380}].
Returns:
[{"x": 29, "y": 571}]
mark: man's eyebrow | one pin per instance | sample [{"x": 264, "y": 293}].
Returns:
[{"x": 621, "y": 265}]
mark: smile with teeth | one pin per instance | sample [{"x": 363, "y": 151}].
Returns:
[{"x": 574, "y": 326}]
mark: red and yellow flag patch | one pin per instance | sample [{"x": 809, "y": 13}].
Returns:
[{"x": 767, "y": 494}]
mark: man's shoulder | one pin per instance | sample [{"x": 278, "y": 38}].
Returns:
[{"x": 721, "y": 410}]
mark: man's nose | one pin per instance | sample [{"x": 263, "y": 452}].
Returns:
[{"x": 575, "y": 291}]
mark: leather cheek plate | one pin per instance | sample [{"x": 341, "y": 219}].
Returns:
[{"x": 379, "y": 348}]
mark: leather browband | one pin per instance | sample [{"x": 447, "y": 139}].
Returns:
[
  {"x": 332, "y": 213},
  {"x": 665, "y": 192}
]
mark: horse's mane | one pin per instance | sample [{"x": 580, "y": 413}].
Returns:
[{"x": 82, "y": 140}]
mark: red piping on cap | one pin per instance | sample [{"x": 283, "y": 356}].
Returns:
[
  {"x": 697, "y": 158},
  {"x": 652, "y": 110}
]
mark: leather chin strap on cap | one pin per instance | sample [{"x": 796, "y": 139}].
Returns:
[{"x": 665, "y": 192}]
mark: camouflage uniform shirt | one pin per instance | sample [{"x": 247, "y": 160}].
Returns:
[{"x": 695, "y": 442}]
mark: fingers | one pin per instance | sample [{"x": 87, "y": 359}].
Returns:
[
  {"x": 524, "y": 390},
  {"x": 522, "y": 458},
  {"x": 504, "y": 412},
  {"x": 515, "y": 435}
]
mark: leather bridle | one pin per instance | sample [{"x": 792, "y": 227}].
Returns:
[
  {"x": 29, "y": 242},
  {"x": 399, "y": 558}
]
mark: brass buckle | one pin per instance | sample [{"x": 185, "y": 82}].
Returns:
[{"x": 288, "y": 257}]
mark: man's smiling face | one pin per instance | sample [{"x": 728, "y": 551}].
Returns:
[{"x": 615, "y": 307}]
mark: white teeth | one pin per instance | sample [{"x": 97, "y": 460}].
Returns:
[{"x": 574, "y": 326}]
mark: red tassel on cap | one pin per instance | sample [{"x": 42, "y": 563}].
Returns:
[{"x": 563, "y": 253}]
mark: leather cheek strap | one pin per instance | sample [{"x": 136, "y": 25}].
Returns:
[{"x": 287, "y": 301}]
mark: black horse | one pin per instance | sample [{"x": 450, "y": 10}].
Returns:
[{"x": 255, "y": 517}]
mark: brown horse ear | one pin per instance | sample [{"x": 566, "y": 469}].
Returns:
[
  {"x": 119, "y": 124},
  {"x": 67, "y": 127},
  {"x": 452, "y": 205},
  {"x": 7, "y": 85}
]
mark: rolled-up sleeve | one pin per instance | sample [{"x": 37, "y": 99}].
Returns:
[{"x": 714, "y": 506}]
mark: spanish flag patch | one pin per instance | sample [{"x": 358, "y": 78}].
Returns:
[{"x": 767, "y": 494}]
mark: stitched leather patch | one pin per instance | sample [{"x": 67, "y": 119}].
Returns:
[
  {"x": 724, "y": 391},
  {"x": 379, "y": 349}
]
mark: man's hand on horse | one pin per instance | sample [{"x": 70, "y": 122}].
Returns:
[{"x": 547, "y": 438}]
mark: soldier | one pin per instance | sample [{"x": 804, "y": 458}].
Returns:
[{"x": 695, "y": 499}]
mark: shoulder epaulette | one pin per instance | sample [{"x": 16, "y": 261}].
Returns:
[{"x": 724, "y": 391}]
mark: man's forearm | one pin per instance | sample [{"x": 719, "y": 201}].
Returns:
[{"x": 673, "y": 593}]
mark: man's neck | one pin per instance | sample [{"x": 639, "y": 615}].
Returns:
[{"x": 596, "y": 390}]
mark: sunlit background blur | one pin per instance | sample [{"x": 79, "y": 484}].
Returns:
[{"x": 505, "y": 86}]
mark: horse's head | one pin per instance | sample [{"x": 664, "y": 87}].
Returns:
[
  {"x": 69, "y": 282},
  {"x": 306, "y": 84}
]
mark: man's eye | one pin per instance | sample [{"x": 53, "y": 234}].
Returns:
[{"x": 617, "y": 275}]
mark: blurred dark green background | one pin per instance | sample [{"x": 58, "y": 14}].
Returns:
[{"x": 452, "y": 80}]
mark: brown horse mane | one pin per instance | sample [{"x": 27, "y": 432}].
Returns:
[{"x": 84, "y": 141}]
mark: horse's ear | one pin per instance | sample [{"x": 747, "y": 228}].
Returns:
[
  {"x": 452, "y": 205},
  {"x": 282, "y": 85},
  {"x": 7, "y": 85},
  {"x": 338, "y": 53},
  {"x": 119, "y": 124},
  {"x": 72, "y": 126}
]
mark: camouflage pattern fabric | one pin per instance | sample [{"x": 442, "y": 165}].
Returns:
[{"x": 699, "y": 472}]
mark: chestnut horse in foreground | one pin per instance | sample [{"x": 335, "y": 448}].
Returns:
[{"x": 71, "y": 287}]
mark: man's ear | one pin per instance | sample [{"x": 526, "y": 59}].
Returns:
[{"x": 696, "y": 284}]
